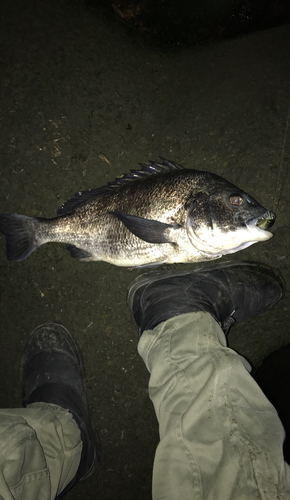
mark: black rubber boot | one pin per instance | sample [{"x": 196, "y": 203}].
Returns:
[
  {"x": 273, "y": 376},
  {"x": 230, "y": 292},
  {"x": 52, "y": 372}
]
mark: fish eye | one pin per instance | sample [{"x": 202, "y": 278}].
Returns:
[{"x": 236, "y": 199}]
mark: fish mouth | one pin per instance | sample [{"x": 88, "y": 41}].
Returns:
[{"x": 263, "y": 223}]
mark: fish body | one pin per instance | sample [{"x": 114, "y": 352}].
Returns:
[{"x": 163, "y": 213}]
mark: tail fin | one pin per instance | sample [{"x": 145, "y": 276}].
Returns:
[{"x": 20, "y": 232}]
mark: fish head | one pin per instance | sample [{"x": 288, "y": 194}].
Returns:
[{"x": 225, "y": 219}]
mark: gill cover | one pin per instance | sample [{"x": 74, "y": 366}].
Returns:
[{"x": 199, "y": 223}]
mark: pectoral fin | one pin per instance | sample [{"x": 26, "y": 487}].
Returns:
[
  {"x": 148, "y": 230},
  {"x": 78, "y": 253}
]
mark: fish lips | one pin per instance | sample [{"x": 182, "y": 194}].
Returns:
[{"x": 262, "y": 224}]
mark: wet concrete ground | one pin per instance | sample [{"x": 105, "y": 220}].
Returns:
[{"x": 83, "y": 101}]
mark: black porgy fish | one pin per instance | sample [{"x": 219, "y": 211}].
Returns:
[{"x": 162, "y": 213}]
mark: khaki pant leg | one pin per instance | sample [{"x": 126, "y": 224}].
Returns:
[
  {"x": 220, "y": 438},
  {"x": 40, "y": 450}
]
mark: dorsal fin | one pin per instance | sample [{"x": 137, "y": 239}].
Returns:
[{"x": 146, "y": 170}]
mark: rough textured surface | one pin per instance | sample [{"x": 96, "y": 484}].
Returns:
[{"x": 83, "y": 102}]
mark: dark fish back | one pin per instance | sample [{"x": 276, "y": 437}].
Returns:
[{"x": 127, "y": 183}]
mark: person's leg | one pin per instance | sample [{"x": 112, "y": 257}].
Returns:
[
  {"x": 48, "y": 446},
  {"x": 220, "y": 438},
  {"x": 40, "y": 451}
]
